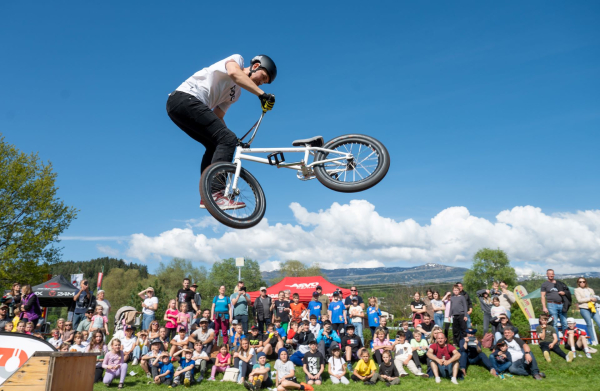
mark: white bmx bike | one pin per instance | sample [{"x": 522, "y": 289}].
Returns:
[{"x": 348, "y": 164}]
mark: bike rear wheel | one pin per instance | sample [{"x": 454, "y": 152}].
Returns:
[
  {"x": 370, "y": 163},
  {"x": 219, "y": 176}
]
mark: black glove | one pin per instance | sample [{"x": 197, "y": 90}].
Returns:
[{"x": 267, "y": 101}]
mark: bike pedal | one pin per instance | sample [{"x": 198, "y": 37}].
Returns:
[{"x": 275, "y": 158}]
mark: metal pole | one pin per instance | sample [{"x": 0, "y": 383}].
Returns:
[{"x": 239, "y": 273}]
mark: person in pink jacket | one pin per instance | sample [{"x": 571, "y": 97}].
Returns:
[{"x": 114, "y": 364}]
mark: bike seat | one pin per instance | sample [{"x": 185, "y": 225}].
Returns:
[{"x": 316, "y": 141}]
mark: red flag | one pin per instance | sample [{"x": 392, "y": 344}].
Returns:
[{"x": 100, "y": 280}]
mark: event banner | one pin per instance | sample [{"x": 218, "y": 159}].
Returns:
[
  {"x": 76, "y": 280},
  {"x": 533, "y": 323},
  {"x": 524, "y": 304}
]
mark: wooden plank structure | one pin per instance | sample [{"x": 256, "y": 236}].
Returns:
[{"x": 54, "y": 371}]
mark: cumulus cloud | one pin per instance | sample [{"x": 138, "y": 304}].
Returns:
[
  {"x": 112, "y": 252},
  {"x": 355, "y": 235}
]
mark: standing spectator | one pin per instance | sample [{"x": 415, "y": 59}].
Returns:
[
  {"x": 299, "y": 310},
  {"x": 552, "y": 294},
  {"x": 170, "y": 318},
  {"x": 149, "y": 306},
  {"x": 4, "y": 317},
  {"x": 238, "y": 286},
  {"x": 373, "y": 315},
  {"x": 197, "y": 299},
  {"x": 323, "y": 299},
  {"x": 587, "y": 299},
  {"x": 575, "y": 338},
  {"x": 485, "y": 302},
  {"x": 186, "y": 295},
  {"x": 444, "y": 360},
  {"x": 315, "y": 306},
  {"x": 240, "y": 301},
  {"x": 263, "y": 310},
  {"x": 447, "y": 311},
  {"x": 418, "y": 309},
  {"x": 337, "y": 314},
  {"x": 221, "y": 312},
  {"x": 83, "y": 300},
  {"x": 30, "y": 306},
  {"x": 458, "y": 312},
  {"x": 548, "y": 340},
  {"x": 13, "y": 299},
  {"x": 427, "y": 300},
  {"x": 357, "y": 317},
  {"x": 438, "y": 309},
  {"x": 469, "y": 303},
  {"x": 348, "y": 301},
  {"x": 523, "y": 360},
  {"x": 282, "y": 310},
  {"x": 101, "y": 301},
  {"x": 506, "y": 297}
]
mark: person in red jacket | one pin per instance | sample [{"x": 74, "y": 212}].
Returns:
[{"x": 575, "y": 338}]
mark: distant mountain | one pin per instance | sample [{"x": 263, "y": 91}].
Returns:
[{"x": 430, "y": 272}]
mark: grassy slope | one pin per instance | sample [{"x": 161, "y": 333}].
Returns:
[{"x": 581, "y": 374}]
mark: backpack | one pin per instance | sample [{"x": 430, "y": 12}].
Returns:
[
  {"x": 487, "y": 341},
  {"x": 231, "y": 374}
]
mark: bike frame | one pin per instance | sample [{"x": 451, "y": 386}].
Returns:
[{"x": 242, "y": 153}]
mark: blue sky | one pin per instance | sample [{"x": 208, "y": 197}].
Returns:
[{"x": 484, "y": 107}]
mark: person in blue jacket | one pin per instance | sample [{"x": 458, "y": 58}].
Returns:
[{"x": 327, "y": 340}]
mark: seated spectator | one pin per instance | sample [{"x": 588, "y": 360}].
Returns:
[
  {"x": 404, "y": 357},
  {"x": 426, "y": 326},
  {"x": 501, "y": 360},
  {"x": 291, "y": 333},
  {"x": 286, "y": 374},
  {"x": 87, "y": 321},
  {"x": 201, "y": 360},
  {"x": 282, "y": 331},
  {"x": 64, "y": 347},
  {"x": 149, "y": 357},
  {"x": 471, "y": 354},
  {"x": 236, "y": 335},
  {"x": 260, "y": 377},
  {"x": 165, "y": 369},
  {"x": 185, "y": 373},
  {"x": 365, "y": 370},
  {"x": 315, "y": 326},
  {"x": 381, "y": 343},
  {"x": 302, "y": 339},
  {"x": 154, "y": 331},
  {"x": 313, "y": 363},
  {"x": 388, "y": 372},
  {"x": 205, "y": 335},
  {"x": 337, "y": 367},
  {"x": 420, "y": 347},
  {"x": 68, "y": 333},
  {"x": 351, "y": 345},
  {"x": 55, "y": 340},
  {"x": 255, "y": 339},
  {"x": 222, "y": 362},
  {"x": 418, "y": 309},
  {"x": 162, "y": 335},
  {"x": 504, "y": 323},
  {"x": 523, "y": 360},
  {"x": 548, "y": 340},
  {"x": 86, "y": 338},
  {"x": 8, "y": 327},
  {"x": 128, "y": 343},
  {"x": 97, "y": 346},
  {"x": 299, "y": 310},
  {"x": 178, "y": 343},
  {"x": 575, "y": 338},
  {"x": 407, "y": 332},
  {"x": 444, "y": 360},
  {"x": 77, "y": 347},
  {"x": 272, "y": 341},
  {"x": 244, "y": 359},
  {"x": 21, "y": 328},
  {"x": 432, "y": 337},
  {"x": 114, "y": 364},
  {"x": 327, "y": 339}
]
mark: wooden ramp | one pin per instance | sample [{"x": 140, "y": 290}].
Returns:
[{"x": 54, "y": 371}]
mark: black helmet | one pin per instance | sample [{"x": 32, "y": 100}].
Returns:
[{"x": 267, "y": 64}]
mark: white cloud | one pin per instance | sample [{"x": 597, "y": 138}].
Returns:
[
  {"x": 269, "y": 266},
  {"x": 112, "y": 252},
  {"x": 355, "y": 235}
]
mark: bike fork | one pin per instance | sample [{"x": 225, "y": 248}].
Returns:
[{"x": 238, "y": 169}]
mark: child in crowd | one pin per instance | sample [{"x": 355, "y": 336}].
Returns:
[
  {"x": 86, "y": 338},
  {"x": 286, "y": 374},
  {"x": 55, "y": 340},
  {"x": 420, "y": 347},
  {"x": 381, "y": 343},
  {"x": 404, "y": 356},
  {"x": 244, "y": 359},
  {"x": 357, "y": 315},
  {"x": 98, "y": 346},
  {"x": 575, "y": 338},
  {"x": 201, "y": 359},
  {"x": 351, "y": 344},
  {"x": 282, "y": 311},
  {"x": 8, "y": 327},
  {"x": 324, "y": 317},
  {"x": 99, "y": 321},
  {"x": 165, "y": 370},
  {"x": 314, "y": 327},
  {"x": 143, "y": 344},
  {"x": 447, "y": 311},
  {"x": 383, "y": 326},
  {"x": 16, "y": 320},
  {"x": 171, "y": 319},
  {"x": 21, "y": 327},
  {"x": 64, "y": 347},
  {"x": 337, "y": 367},
  {"x": 407, "y": 332},
  {"x": 299, "y": 310},
  {"x": 459, "y": 315},
  {"x": 255, "y": 339},
  {"x": 313, "y": 364},
  {"x": 388, "y": 371},
  {"x": 314, "y": 307},
  {"x": 29, "y": 327},
  {"x": 291, "y": 333},
  {"x": 236, "y": 334},
  {"x": 548, "y": 340},
  {"x": 272, "y": 341},
  {"x": 280, "y": 330},
  {"x": 68, "y": 333},
  {"x": 128, "y": 343},
  {"x": 260, "y": 377},
  {"x": 365, "y": 370},
  {"x": 77, "y": 346},
  {"x": 501, "y": 360},
  {"x": 185, "y": 373},
  {"x": 149, "y": 357},
  {"x": 60, "y": 325},
  {"x": 114, "y": 364},
  {"x": 179, "y": 342},
  {"x": 222, "y": 362},
  {"x": 183, "y": 318}
]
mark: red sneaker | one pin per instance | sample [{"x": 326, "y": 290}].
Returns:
[
  {"x": 215, "y": 196},
  {"x": 225, "y": 203}
]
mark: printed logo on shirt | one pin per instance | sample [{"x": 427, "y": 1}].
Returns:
[{"x": 232, "y": 93}]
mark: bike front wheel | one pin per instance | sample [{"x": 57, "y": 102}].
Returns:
[
  {"x": 369, "y": 165},
  {"x": 241, "y": 207}
]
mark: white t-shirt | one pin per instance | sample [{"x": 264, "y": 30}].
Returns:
[
  {"x": 515, "y": 350},
  {"x": 284, "y": 369},
  {"x": 127, "y": 344},
  {"x": 213, "y": 86},
  {"x": 336, "y": 365},
  {"x": 149, "y": 301},
  {"x": 355, "y": 310},
  {"x": 497, "y": 311},
  {"x": 252, "y": 353},
  {"x": 403, "y": 351},
  {"x": 105, "y": 304},
  {"x": 77, "y": 348},
  {"x": 315, "y": 329}
]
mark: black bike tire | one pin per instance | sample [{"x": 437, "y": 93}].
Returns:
[
  {"x": 205, "y": 192},
  {"x": 353, "y": 187}
]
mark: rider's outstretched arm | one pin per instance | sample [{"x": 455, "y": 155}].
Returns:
[{"x": 241, "y": 79}]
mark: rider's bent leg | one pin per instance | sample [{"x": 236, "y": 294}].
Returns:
[{"x": 202, "y": 124}]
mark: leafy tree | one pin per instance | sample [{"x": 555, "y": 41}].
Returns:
[
  {"x": 293, "y": 268},
  {"x": 32, "y": 217},
  {"x": 119, "y": 284},
  {"x": 226, "y": 273},
  {"x": 91, "y": 268},
  {"x": 171, "y": 274},
  {"x": 489, "y": 265}
]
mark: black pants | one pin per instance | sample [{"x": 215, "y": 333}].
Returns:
[
  {"x": 202, "y": 124},
  {"x": 378, "y": 357},
  {"x": 337, "y": 327},
  {"x": 418, "y": 360},
  {"x": 459, "y": 328},
  {"x": 545, "y": 346},
  {"x": 98, "y": 375},
  {"x": 263, "y": 324},
  {"x": 171, "y": 333}
]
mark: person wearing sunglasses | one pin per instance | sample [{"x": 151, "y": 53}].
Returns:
[{"x": 587, "y": 300}]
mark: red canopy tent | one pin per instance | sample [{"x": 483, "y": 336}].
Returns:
[{"x": 303, "y": 286}]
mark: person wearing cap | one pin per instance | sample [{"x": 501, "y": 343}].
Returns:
[
  {"x": 129, "y": 342},
  {"x": 155, "y": 351},
  {"x": 101, "y": 301},
  {"x": 205, "y": 335},
  {"x": 87, "y": 321},
  {"x": 501, "y": 360},
  {"x": 180, "y": 341},
  {"x": 196, "y": 301},
  {"x": 357, "y": 315},
  {"x": 337, "y": 313},
  {"x": 574, "y": 338},
  {"x": 149, "y": 306},
  {"x": 263, "y": 309},
  {"x": 4, "y": 316},
  {"x": 240, "y": 301},
  {"x": 471, "y": 354},
  {"x": 523, "y": 360},
  {"x": 260, "y": 377},
  {"x": 315, "y": 306},
  {"x": 548, "y": 340},
  {"x": 323, "y": 299}
]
